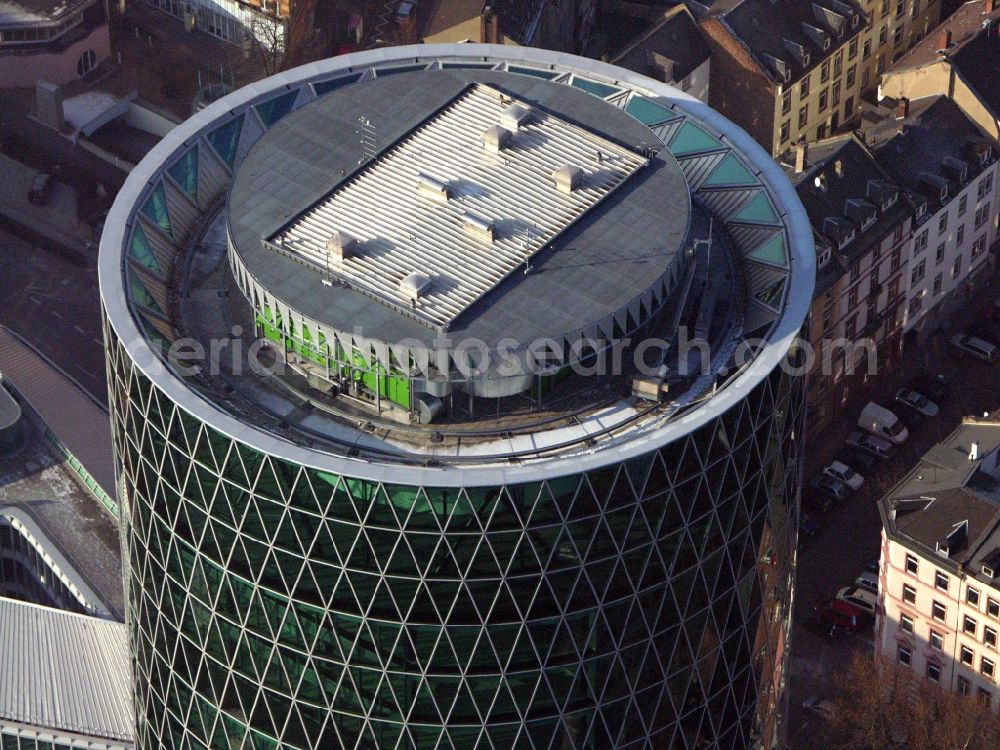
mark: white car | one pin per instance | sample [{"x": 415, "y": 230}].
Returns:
[
  {"x": 405, "y": 12},
  {"x": 867, "y": 581},
  {"x": 975, "y": 348},
  {"x": 861, "y": 598},
  {"x": 844, "y": 473},
  {"x": 917, "y": 401}
]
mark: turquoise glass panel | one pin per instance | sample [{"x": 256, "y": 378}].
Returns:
[
  {"x": 773, "y": 251},
  {"x": 548, "y": 75},
  {"x": 141, "y": 295},
  {"x": 382, "y": 72},
  {"x": 226, "y": 138},
  {"x": 647, "y": 112},
  {"x": 325, "y": 87},
  {"x": 140, "y": 250},
  {"x": 185, "y": 172},
  {"x": 602, "y": 90},
  {"x": 758, "y": 211},
  {"x": 771, "y": 296},
  {"x": 730, "y": 172},
  {"x": 691, "y": 139},
  {"x": 155, "y": 208},
  {"x": 274, "y": 109}
]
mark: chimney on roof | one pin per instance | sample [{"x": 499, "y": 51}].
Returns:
[
  {"x": 988, "y": 6},
  {"x": 838, "y": 167},
  {"x": 974, "y": 451},
  {"x": 944, "y": 37},
  {"x": 801, "y": 150},
  {"x": 902, "y": 108}
]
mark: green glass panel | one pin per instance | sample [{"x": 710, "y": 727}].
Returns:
[
  {"x": 325, "y": 87},
  {"x": 647, "y": 112},
  {"x": 758, "y": 210},
  {"x": 548, "y": 75},
  {"x": 155, "y": 208},
  {"x": 773, "y": 251},
  {"x": 140, "y": 250},
  {"x": 226, "y": 138},
  {"x": 274, "y": 109},
  {"x": 602, "y": 90},
  {"x": 771, "y": 296},
  {"x": 731, "y": 172},
  {"x": 691, "y": 139},
  {"x": 185, "y": 171},
  {"x": 141, "y": 295},
  {"x": 383, "y": 72}
]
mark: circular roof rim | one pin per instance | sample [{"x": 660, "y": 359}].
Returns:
[{"x": 119, "y": 315}]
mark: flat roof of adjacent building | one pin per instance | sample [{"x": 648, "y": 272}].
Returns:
[
  {"x": 36, "y": 12},
  {"x": 64, "y": 671}
]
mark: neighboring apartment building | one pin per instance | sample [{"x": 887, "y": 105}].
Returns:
[
  {"x": 948, "y": 170},
  {"x": 51, "y": 40},
  {"x": 564, "y": 26},
  {"x": 673, "y": 51},
  {"x": 939, "y": 610},
  {"x": 864, "y": 224},
  {"x": 232, "y": 20},
  {"x": 798, "y": 74},
  {"x": 959, "y": 59}
]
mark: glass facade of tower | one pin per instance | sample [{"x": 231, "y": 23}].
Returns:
[{"x": 641, "y": 605}]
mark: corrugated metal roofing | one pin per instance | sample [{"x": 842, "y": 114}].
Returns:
[
  {"x": 513, "y": 190},
  {"x": 64, "y": 671}
]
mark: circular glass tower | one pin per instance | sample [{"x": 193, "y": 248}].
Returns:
[{"x": 456, "y": 405}]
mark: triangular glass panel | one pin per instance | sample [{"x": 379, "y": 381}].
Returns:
[
  {"x": 274, "y": 109},
  {"x": 647, "y": 112},
  {"x": 155, "y": 209},
  {"x": 730, "y": 172},
  {"x": 226, "y": 138},
  {"x": 691, "y": 139},
  {"x": 185, "y": 172},
  {"x": 758, "y": 211},
  {"x": 602, "y": 90},
  {"x": 773, "y": 251},
  {"x": 140, "y": 250},
  {"x": 771, "y": 296}
]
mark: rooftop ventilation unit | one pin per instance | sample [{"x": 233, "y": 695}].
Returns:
[
  {"x": 567, "y": 178},
  {"x": 340, "y": 246},
  {"x": 415, "y": 285},
  {"x": 433, "y": 188},
  {"x": 513, "y": 118},
  {"x": 482, "y": 228},
  {"x": 496, "y": 138}
]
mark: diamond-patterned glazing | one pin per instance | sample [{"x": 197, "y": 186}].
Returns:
[{"x": 642, "y": 605}]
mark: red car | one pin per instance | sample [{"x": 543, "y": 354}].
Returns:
[
  {"x": 991, "y": 311},
  {"x": 840, "y": 613}
]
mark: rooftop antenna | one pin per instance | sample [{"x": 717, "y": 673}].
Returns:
[{"x": 367, "y": 133}]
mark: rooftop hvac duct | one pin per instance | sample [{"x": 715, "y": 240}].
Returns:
[
  {"x": 433, "y": 188},
  {"x": 567, "y": 178},
  {"x": 479, "y": 226},
  {"x": 496, "y": 138},
  {"x": 340, "y": 246},
  {"x": 516, "y": 116},
  {"x": 414, "y": 285}
]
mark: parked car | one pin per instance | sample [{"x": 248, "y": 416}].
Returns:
[
  {"x": 40, "y": 188},
  {"x": 917, "y": 401},
  {"x": 867, "y": 581},
  {"x": 840, "y": 613},
  {"x": 834, "y": 488},
  {"x": 857, "y": 460},
  {"x": 882, "y": 423},
  {"x": 859, "y": 597},
  {"x": 824, "y": 708},
  {"x": 405, "y": 12},
  {"x": 986, "y": 330},
  {"x": 973, "y": 347},
  {"x": 991, "y": 311},
  {"x": 844, "y": 473},
  {"x": 818, "y": 502},
  {"x": 935, "y": 387},
  {"x": 872, "y": 445}
]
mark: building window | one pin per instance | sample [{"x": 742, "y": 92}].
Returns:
[
  {"x": 838, "y": 64},
  {"x": 903, "y": 655},
  {"x": 966, "y": 656},
  {"x": 835, "y": 93},
  {"x": 86, "y": 62},
  {"x": 785, "y": 130},
  {"x": 938, "y": 611},
  {"x": 824, "y": 72},
  {"x": 900, "y": 7},
  {"x": 786, "y": 102},
  {"x": 855, "y": 272},
  {"x": 936, "y": 640},
  {"x": 821, "y": 132},
  {"x": 803, "y": 115},
  {"x": 916, "y": 304},
  {"x": 852, "y": 298},
  {"x": 986, "y": 666},
  {"x": 960, "y": 236},
  {"x": 969, "y": 625},
  {"x": 978, "y": 246},
  {"x": 984, "y": 696},
  {"x": 909, "y": 594},
  {"x": 939, "y": 254},
  {"x": 897, "y": 36},
  {"x": 896, "y": 260},
  {"x": 880, "y": 64},
  {"x": 982, "y": 214},
  {"x": 885, "y": 8},
  {"x": 920, "y": 244},
  {"x": 906, "y": 623},
  {"x": 957, "y": 268},
  {"x": 937, "y": 283},
  {"x": 897, "y": 235},
  {"x": 964, "y": 686},
  {"x": 893, "y": 290},
  {"x": 849, "y": 108},
  {"x": 941, "y": 581},
  {"x": 917, "y": 275},
  {"x": 883, "y": 36},
  {"x": 804, "y": 86},
  {"x": 851, "y": 330},
  {"x": 993, "y": 608},
  {"x": 933, "y": 672},
  {"x": 823, "y": 99},
  {"x": 990, "y": 637},
  {"x": 943, "y": 222},
  {"x": 866, "y": 52},
  {"x": 912, "y": 564},
  {"x": 972, "y": 596},
  {"x": 963, "y": 203},
  {"x": 985, "y": 186}
]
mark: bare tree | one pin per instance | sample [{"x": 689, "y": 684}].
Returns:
[{"x": 264, "y": 47}]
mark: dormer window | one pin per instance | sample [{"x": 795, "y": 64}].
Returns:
[
  {"x": 984, "y": 156},
  {"x": 889, "y": 202},
  {"x": 988, "y": 571},
  {"x": 921, "y": 209},
  {"x": 944, "y": 193},
  {"x": 846, "y": 240}
]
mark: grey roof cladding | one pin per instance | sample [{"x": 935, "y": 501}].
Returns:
[
  {"x": 64, "y": 671},
  {"x": 858, "y": 168},
  {"x": 637, "y": 230},
  {"x": 762, "y": 27},
  {"x": 978, "y": 62},
  {"x": 935, "y": 130},
  {"x": 676, "y": 37},
  {"x": 945, "y": 490},
  {"x": 963, "y": 25}
]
